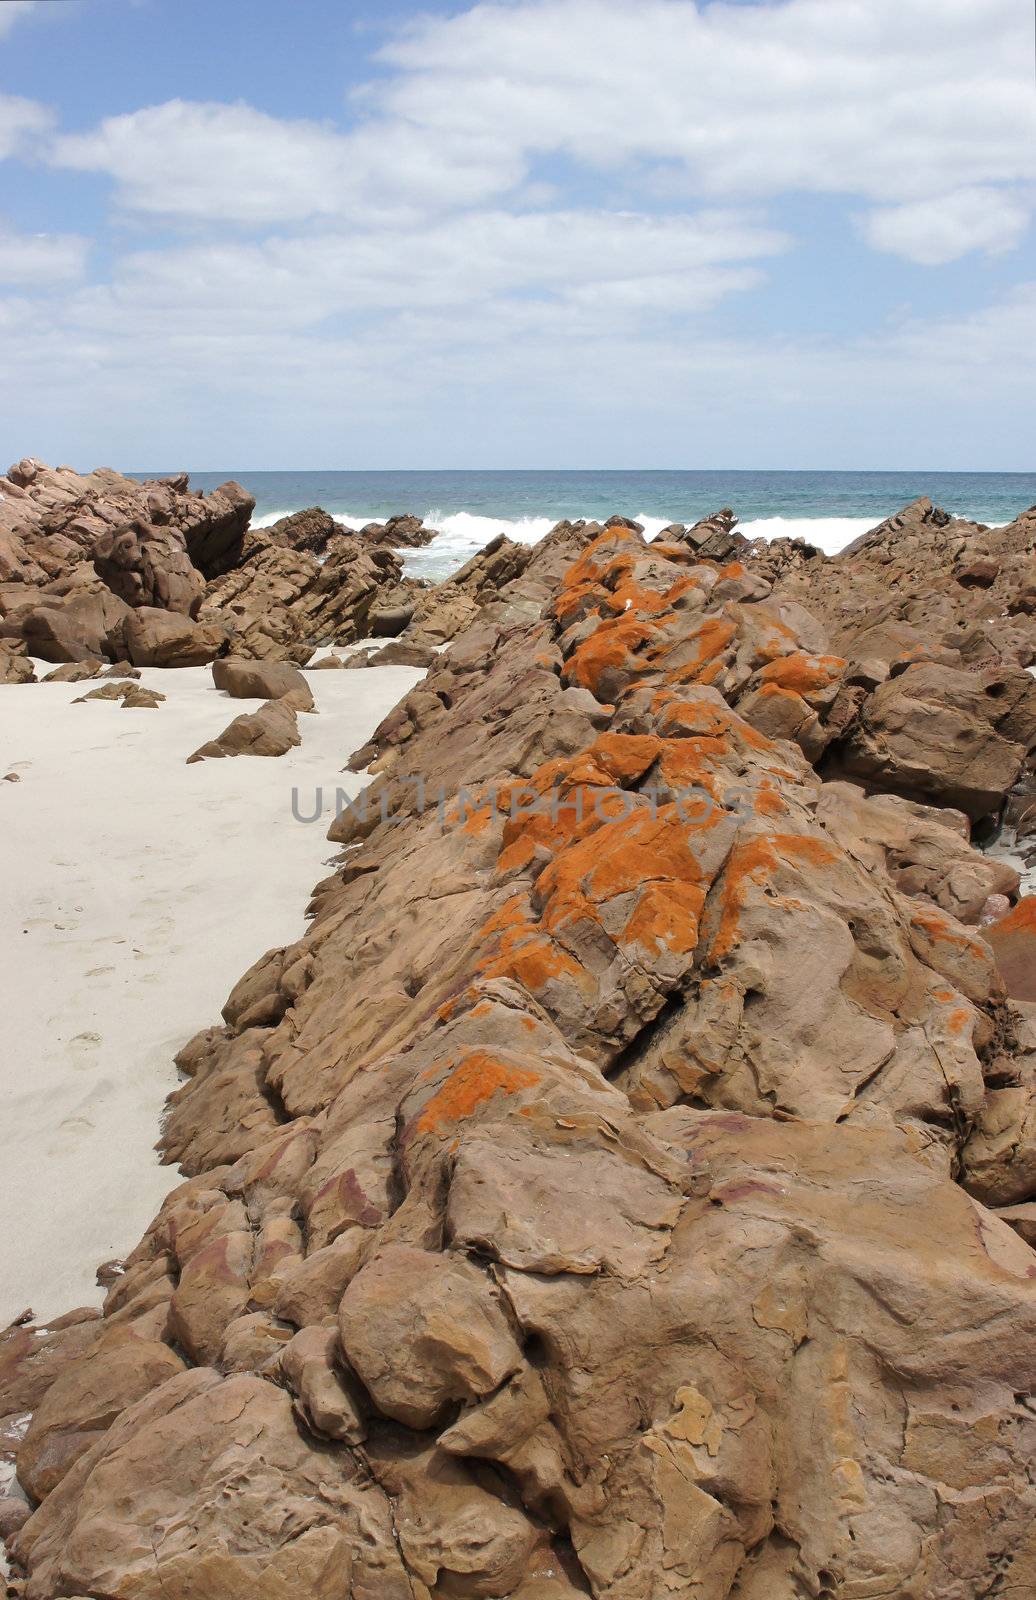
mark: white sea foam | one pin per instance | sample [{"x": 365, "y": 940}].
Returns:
[
  {"x": 829, "y": 534},
  {"x": 462, "y": 533}
]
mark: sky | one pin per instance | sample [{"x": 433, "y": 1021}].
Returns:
[{"x": 316, "y": 234}]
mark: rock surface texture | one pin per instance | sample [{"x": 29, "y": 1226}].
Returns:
[
  {"x": 602, "y": 1197},
  {"x": 100, "y": 565}
]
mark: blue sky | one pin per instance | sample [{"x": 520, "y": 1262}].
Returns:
[{"x": 559, "y": 233}]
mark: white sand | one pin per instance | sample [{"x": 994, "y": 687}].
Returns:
[{"x": 136, "y": 891}]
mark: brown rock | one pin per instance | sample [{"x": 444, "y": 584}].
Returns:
[
  {"x": 262, "y": 680},
  {"x": 270, "y": 731},
  {"x": 423, "y": 1331},
  {"x": 85, "y": 1400},
  {"x": 401, "y": 653},
  {"x": 76, "y": 671},
  {"x": 15, "y": 668},
  {"x": 960, "y": 738},
  {"x": 1013, "y": 942},
  {"x": 297, "y": 1522},
  {"x": 281, "y": 603},
  {"x": 162, "y": 639}
]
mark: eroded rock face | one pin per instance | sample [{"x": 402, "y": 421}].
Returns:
[
  {"x": 80, "y": 553},
  {"x": 281, "y": 603},
  {"x": 600, "y": 1198}
]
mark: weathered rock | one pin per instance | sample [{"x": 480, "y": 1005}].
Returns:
[
  {"x": 959, "y": 738},
  {"x": 292, "y": 1521},
  {"x": 281, "y": 603},
  {"x": 132, "y": 695},
  {"x": 161, "y": 639},
  {"x": 76, "y": 671},
  {"x": 309, "y": 530},
  {"x": 77, "y": 553},
  {"x": 402, "y": 653},
  {"x": 15, "y": 667},
  {"x": 85, "y": 1400},
  {"x": 443, "y": 612},
  {"x": 633, "y": 1100},
  {"x": 271, "y": 731},
  {"x": 423, "y": 1331},
  {"x": 1013, "y": 942},
  {"x": 399, "y": 532},
  {"x": 262, "y": 680}
]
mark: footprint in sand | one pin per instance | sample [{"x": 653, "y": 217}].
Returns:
[{"x": 85, "y": 1046}]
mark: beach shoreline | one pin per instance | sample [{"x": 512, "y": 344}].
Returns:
[{"x": 138, "y": 890}]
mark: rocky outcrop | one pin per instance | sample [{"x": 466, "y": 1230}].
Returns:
[
  {"x": 79, "y": 553},
  {"x": 560, "y": 1213},
  {"x": 924, "y": 580},
  {"x": 447, "y": 609},
  {"x": 402, "y": 532},
  {"x": 282, "y": 604}
]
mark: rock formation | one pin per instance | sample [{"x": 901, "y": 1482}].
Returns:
[
  {"x": 625, "y": 1187},
  {"x": 79, "y": 554},
  {"x": 100, "y": 565}
]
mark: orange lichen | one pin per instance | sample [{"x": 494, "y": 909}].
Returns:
[
  {"x": 803, "y": 674},
  {"x": 473, "y": 1081},
  {"x": 707, "y": 643},
  {"x": 942, "y": 929},
  {"x": 611, "y": 645},
  {"x": 649, "y": 856},
  {"x": 523, "y": 952},
  {"x": 1021, "y": 919},
  {"x": 751, "y": 863},
  {"x": 666, "y": 918}
]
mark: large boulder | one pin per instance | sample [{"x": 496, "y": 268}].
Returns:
[
  {"x": 161, "y": 639},
  {"x": 262, "y": 680},
  {"x": 933, "y": 732}
]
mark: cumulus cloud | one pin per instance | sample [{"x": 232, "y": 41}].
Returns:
[
  {"x": 231, "y": 162},
  {"x": 882, "y": 100},
  {"x": 21, "y": 121},
  {"x": 541, "y": 203},
  {"x": 40, "y": 259},
  {"x": 931, "y": 232}
]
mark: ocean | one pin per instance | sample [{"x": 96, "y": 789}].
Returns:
[{"x": 828, "y": 508}]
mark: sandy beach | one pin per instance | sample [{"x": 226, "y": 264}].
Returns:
[{"x": 137, "y": 889}]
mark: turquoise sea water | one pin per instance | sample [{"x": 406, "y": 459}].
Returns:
[{"x": 829, "y": 508}]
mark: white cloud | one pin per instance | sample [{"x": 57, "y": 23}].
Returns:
[
  {"x": 236, "y": 164},
  {"x": 40, "y": 259},
  {"x": 609, "y": 260},
  {"x": 20, "y": 121},
  {"x": 932, "y": 232},
  {"x": 895, "y": 101},
  {"x": 11, "y": 11},
  {"x": 399, "y": 290}
]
